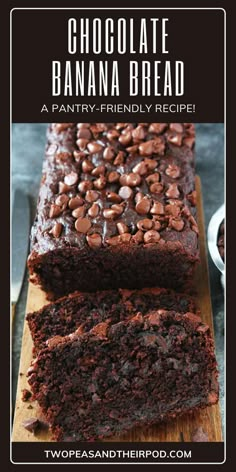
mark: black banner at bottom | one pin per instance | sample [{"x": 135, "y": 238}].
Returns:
[{"x": 150, "y": 452}]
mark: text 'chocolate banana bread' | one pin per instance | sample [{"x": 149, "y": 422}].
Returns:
[
  {"x": 118, "y": 376},
  {"x": 116, "y": 208},
  {"x": 86, "y": 310}
]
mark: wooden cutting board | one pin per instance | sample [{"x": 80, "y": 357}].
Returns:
[{"x": 178, "y": 430}]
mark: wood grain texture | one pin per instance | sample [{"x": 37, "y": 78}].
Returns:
[{"x": 178, "y": 430}]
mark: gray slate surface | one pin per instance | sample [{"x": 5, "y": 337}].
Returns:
[{"x": 28, "y": 141}]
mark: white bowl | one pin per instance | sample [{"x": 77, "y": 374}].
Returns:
[{"x": 212, "y": 236}]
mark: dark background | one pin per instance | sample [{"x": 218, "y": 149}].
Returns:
[
  {"x": 195, "y": 37},
  {"x": 28, "y": 141}
]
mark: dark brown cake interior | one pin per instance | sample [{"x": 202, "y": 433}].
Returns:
[
  {"x": 88, "y": 309},
  {"x": 133, "y": 373}
]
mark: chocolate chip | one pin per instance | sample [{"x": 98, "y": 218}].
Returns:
[
  {"x": 150, "y": 163},
  {"x": 63, "y": 156},
  {"x": 119, "y": 158},
  {"x": 158, "y": 146},
  {"x": 151, "y": 179},
  {"x": 122, "y": 228},
  {"x": 56, "y": 230},
  {"x": 176, "y": 127},
  {"x": 145, "y": 224},
  {"x": 125, "y": 138},
  {"x": 118, "y": 208},
  {"x": 125, "y": 238},
  {"x": 62, "y": 200},
  {"x": 133, "y": 179},
  {"x": 31, "y": 424},
  {"x": 87, "y": 166},
  {"x": 84, "y": 133},
  {"x": 143, "y": 206},
  {"x": 202, "y": 328},
  {"x": 94, "y": 210},
  {"x": 53, "y": 342},
  {"x": 112, "y": 134},
  {"x": 71, "y": 179},
  {"x": 83, "y": 125},
  {"x": 175, "y": 138},
  {"x": 156, "y": 224},
  {"x": 108, "y": 153},
  {"x": 125, "y": 192},
  {"x": 173, "y": 191},
  {"x": 173, "y": 210},
  {"x": 141, "y": 168},
  {"x": 154, "y": 318},
  {"x": 63, "y": 188},
  {"x": 99, "y": 170},
  {"x": 79, "y": 156},
  {"x": 157, "y": 128},
  {"x": 82, "y": 225},
  {"x": 94, "y": 147},
  {"x": 100, "y": 183},
  {"x": 146, "y": 148},
  {"x": 94, "y": 240},
  {"x": 55, "y": 210},
  {"x": 138, "y": 237},
  {"x": 82, "y": 143},
  {"x": 123, "y": 179},
  {"x": 113, "y": 177},
  {"x": 132, "y": 149},
  {"x": 192, "y": 198},
  {"x": 121, "y": 125},
  {"x": 110, "y": 214},
  {"x": 138, "y": 134},
  {"x": 75, "y": 202},
  {"x": 176, "y": 223},
  {"x": 84, "y": 186},
  {"x": 151, "y": 236},
  {"x": 113, "y": 197},
  {"x": 157, "y": 209},
  {"x": 190, "y": 128},
  {"x": 139, "y": 196},
  {"x": 177, "y": 202},
  {"x": 91, "y": 196},
  {"x": 114, "y": 241},
  {"x": 98, "y": 128},
  {"x": 189, "y": 141},
  {"x": 173, "y": 171},
  {"x": 78, "y": 212},
  {"x": 156, "y": 188}
]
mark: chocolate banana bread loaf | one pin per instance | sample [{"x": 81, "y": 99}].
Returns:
[
  {"x": 116, "y": 208},
  {"x": 116, "y": 376},
  {"x": 88, "y": 309}
]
